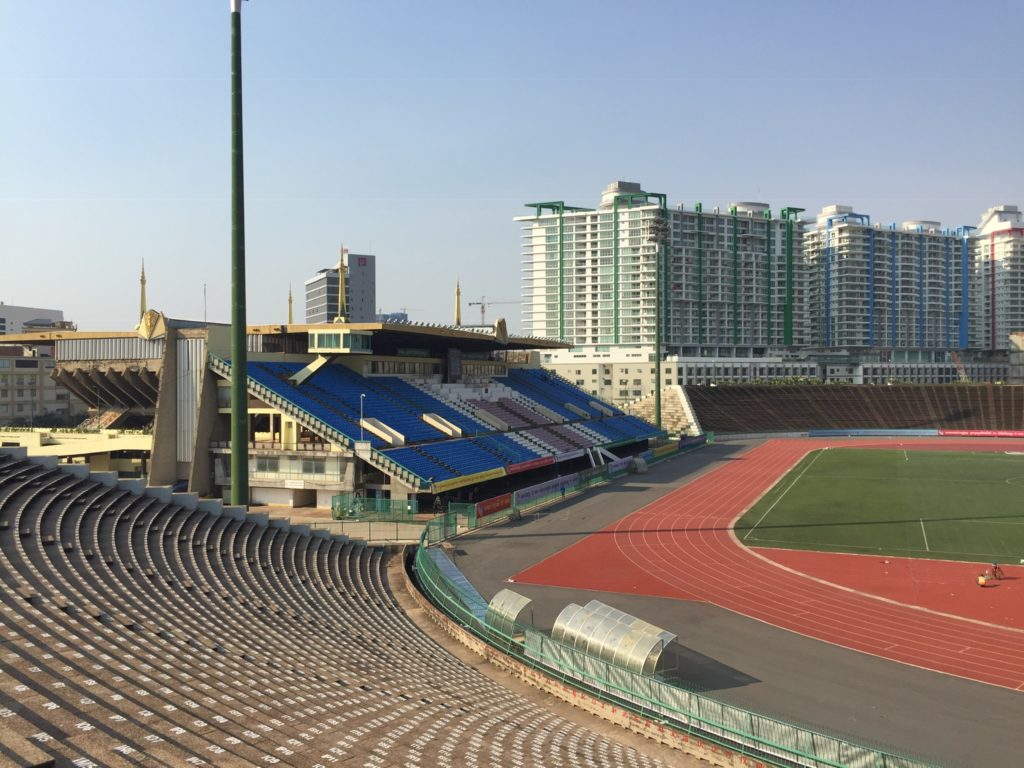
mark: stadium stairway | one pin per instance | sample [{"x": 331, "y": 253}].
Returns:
[
  {"x": 141, "y": 626},
  {"x": 264, "y": 390}
]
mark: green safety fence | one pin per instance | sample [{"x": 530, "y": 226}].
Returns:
[
  {"x": 769, "y": 740},
  {"x": 467, "y": 516},
  {"x": 356, "y": 506}
]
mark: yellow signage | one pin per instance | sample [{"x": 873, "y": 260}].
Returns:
[{"x": 458, "y": 482}]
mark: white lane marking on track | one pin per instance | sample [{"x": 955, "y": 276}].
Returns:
[
  {"x": 666, "y": 570},
  {"x": 925, "y": 534},
  {"x": 782, "y": 495}
]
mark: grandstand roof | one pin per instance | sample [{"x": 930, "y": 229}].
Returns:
[
  {"x": 398, "y": 334},
  {"x": 386, "y": 335}
]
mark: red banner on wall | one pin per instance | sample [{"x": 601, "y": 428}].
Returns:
[
  {"x": 490, "y": 506},
  {"x": 523, "y": 466},
  {"x": 981, "y": 432}
]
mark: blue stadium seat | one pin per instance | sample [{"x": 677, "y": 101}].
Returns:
[
  {"x": 553, "y": 392},
  {"x": 427, "y": 403}
]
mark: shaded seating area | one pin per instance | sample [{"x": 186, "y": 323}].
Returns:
[
  {"x": 742, "y": 408},
  {"x": 554, "y": 393},
  {"x": 336, "y": 396},
  {"x": 515, "y": 414},
  {"x": 397, "y": 422},
  {"x": 138, "y": 630}
]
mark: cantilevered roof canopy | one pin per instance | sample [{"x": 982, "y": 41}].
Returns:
[{"x": 388, "y": 337}]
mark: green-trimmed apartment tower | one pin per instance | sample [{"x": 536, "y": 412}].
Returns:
[{"x": 733, "y": 279}]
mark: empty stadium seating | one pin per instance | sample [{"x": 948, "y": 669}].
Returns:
[
  {"x": 739, "y": 408},
  {"x": 138, "y": 630},
  {"x": 335, "y": 393},
  {"x": 553, "y": 392}
]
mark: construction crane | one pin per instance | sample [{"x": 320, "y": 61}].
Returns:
[{"x": 484, "y": 304}]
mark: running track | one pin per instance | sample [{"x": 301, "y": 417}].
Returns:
[{"x": 680, "y": 545}]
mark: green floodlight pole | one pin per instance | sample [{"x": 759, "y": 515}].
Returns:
[
  {"x": 239, "y": 358},
  {"x": 659, "y": 235}
]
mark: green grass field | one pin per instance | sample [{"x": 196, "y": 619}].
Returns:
[{"x": 952, "y": 506}]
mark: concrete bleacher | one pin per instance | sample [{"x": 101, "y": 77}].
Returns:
[
  {"x": 152, "y": 628},
  {"x": 749, "y": 408}
]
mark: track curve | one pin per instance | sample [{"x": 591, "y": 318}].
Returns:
[{"x": 682, "y": 546}]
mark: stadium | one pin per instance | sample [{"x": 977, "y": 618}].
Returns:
[
  {"x": 587, "y": 556},
  {"x": 397, "y": 544}
]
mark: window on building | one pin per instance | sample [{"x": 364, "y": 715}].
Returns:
[
  {"x": 312, "y": 466},
  {"x": 268, "y": 464}
]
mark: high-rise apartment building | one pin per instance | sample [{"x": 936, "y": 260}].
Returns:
[
  {"x": 997, "y": 295},
  {"x": 747, "y": 294},
  {"x": 891, "y": 287},
  {"x": 360, "y": 290},
  {"x": 732, "y": 282}
]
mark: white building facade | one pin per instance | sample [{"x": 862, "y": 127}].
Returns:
[
  {"x": 13, "y": 319},
  {"x": 730, "y": 282},
  {"x": 997, "y": 295}
]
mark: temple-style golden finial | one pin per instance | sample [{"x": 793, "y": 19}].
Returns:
[
  {"x": 142, "y": 296},
  {"x": 341, "y": 286}
]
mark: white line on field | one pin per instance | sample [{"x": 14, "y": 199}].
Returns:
[
  {"x": 795, "y": 481},
  {"x": 926, "y": 547}
]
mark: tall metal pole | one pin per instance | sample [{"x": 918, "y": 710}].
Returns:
[
  {"x": 659, "y": 235},
  {"x": 239, "y": 358}
]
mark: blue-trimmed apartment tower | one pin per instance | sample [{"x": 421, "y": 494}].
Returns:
[{"x": 899, "y": 287}]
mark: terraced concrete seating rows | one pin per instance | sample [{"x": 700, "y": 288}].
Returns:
[
  {"x": 740, "y": 408},
  {"x": 138, "y": 630}
]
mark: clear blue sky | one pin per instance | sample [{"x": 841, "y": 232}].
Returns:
[{"x": 416, "y": 131}]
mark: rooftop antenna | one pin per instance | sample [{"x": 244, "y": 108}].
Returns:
[
  {"x": 458, "y": 303},
  {"x": 289, "y": 303}
]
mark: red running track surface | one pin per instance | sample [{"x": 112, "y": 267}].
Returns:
[
  {"x": 944, "y": 586},
  {"x": 682, "y": 546}
]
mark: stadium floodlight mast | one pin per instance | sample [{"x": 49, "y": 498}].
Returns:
[
  {"x": 658, "y": 234},
  {"x": 239, "y": 358}
]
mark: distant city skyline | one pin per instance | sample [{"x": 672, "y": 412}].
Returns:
[{"x": 417, "y": 133}]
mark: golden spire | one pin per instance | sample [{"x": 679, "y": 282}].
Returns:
[
  {"x": 341, "y": 286},
  {"x": 458, "y": 303},
  {"x": 289, "y": 303},
  {"x": 142, "y": 297}
]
